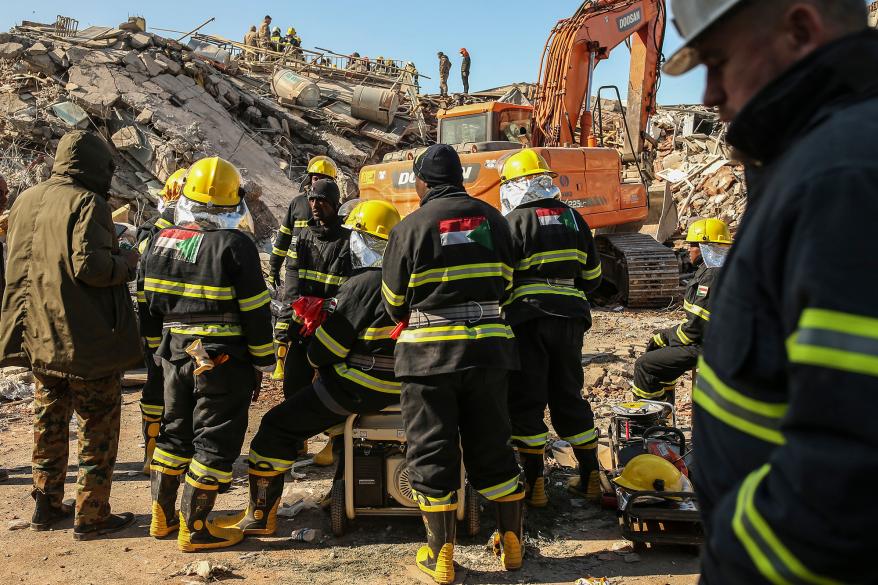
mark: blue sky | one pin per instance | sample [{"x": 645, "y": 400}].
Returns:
[{"x": 505, "y": 38}]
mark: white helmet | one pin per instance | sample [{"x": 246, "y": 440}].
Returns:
[{"x": 691, "y": 18}]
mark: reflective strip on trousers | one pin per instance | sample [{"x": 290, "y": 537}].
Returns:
[
  {"x": 277, "y": 464},
  {"x": 501, "y": 489},
  {"x": 532, "y": 440},
  {"x": 200, "y": 470},
  {"x": 582, "y": 438}
]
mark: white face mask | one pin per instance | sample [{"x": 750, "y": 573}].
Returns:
[
  {"x": 520, "y": 191},
  {"x": 367, "y": 251},
  {"x": 714, "y": 255},
  {"x": 213, "y": 216}
]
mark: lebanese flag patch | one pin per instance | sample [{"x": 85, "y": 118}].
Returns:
[
  {"x": 466, "y": 230},
  {"x": 178, "y": 244},
  {"x": 557, "y": 216}
]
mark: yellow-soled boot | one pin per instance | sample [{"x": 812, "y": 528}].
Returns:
[
  {"x": 196, "y": 531},
  {"x": 151, "y": 418},
  {"x": 280, "y": 355},
  {"x": 508, "y": 540},
  {"x": 326, "y": 456},
  {"x": 437, "y": 557},
  {"x": 535, "y": 483},
  {"x": 588, "y": 484},
  {"x": 164, "y": 483},
  {"x": 260, "y": 517}
]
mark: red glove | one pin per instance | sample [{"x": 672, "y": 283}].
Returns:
[{"x": 310, "y": 312}]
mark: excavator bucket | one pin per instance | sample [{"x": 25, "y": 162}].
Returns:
[{"x": 662, "y": 220}]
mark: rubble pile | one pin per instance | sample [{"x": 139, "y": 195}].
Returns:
[{"x": 164, "y": 105}]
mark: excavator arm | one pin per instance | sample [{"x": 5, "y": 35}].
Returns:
[{"x": 575, "y": 47}]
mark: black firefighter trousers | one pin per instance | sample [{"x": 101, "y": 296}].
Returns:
[
  {"x": 550, "y": 352},
  {"x": 443, "y": 412},
  {"x": 656, "y": 372}
]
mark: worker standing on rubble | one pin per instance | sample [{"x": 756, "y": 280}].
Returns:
[
  {"x": 674, "y": 351},
  {"x": 67, "y": 315},
  {"x": 785, "y": 452},
  {"x": 464, "y": 69},
  {"x": 556, "y": 265},
  {"x": 264, "y": 35},
  {"x": 251, "y": 39},
  {"x": 444, "y": 70},
  {"x": 152, "y": 397},
  {"x": 203, "y": 293},
  {"x": 447, "y": 268},
  {"x": 353, "y": 352},
  {"x": 276, "y": 40}
]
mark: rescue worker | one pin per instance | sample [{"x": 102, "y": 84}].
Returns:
[
  {"x": 264, "y": 35},
  {"x": 250, "y": 40},
  {"x": 292, "y": 38},
  {"x": 447, "y": 269},
  {"x": 276, "y": 39},
  {"x": 674, "y": 351},
  {"x": 320, "y": 264},
  {"x": 152, "y": 397},
  {"x": 556, "y": 266},
  {"x": 444, "y": 70},
  {"x": 464, "y": 69},
  {"x": 785, "y": 447},
  {"x": 353, "y": 352},
  {"x": 298, "y": 214},
  {"x": 203, "y": 293},
  {"x": 67, "y": 315}
]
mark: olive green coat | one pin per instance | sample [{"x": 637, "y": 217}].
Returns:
[{"x": 66, "y": 309}]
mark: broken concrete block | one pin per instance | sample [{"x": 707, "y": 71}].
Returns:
[
  {"x": 41, "y": 63},
  {"x": 273, "y": 123},
  {"x": 170, "y": 65},
  {"x": 126, "y": 138},
  {"x": 144, "y": 117},
  {"x": 95, "y": 102},
  {"x": 71, "y": 114},
  {"x": 37, "y": 48},
  {"x": 59, "y": 57},
  {"x": 140, "y": 40},
  {"x": 10, "y": 51},
  {"x": 10, "y": 103},
  {"x": 152, "y": 67}
]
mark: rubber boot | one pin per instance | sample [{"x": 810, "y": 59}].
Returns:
[
  {"x": 196, "y": 531},
  {"x": 535, "y": 482},
  {"x": 151, "y": 427},
  {"x": 260, "y": 517},
  {"x": 437, "y": 557},
  {"x": 280, "y": 356},
  {"x": 326, "y": 456},
  {"x": 588, "y": 484},
  {"x": 164, "y": 485},
  {"x": 46, "y": 514},
  {"x": 508, "y": 539}
]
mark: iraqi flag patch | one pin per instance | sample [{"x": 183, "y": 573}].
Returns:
[
  {"x": 702, "y": 291},
  {"x": 466, "y": 230},
  {"x": 178, "y": 244},
  {"x": 557, "y": 216}
]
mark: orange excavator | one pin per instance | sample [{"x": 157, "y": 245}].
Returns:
[{"x": 608, "y": 187}]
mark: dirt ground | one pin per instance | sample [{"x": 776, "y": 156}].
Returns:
[{"x": 566, "y": 541}]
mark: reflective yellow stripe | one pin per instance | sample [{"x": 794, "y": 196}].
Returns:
[
  {"x": 285, "y": 230},
  {"x": 261, "y": 350},
  {"x": 209, "y": 330},
  {"x": 696, "y": 310},
  {"x": 367, "y": 381},
  {"x": 254, "y": 302},
  {"x": 390, "y": 296},
  {"x": 445, "y": 503},
  {"x": 281, "y": 326},
  {"x": 153, "y": 342},
  {"x": 277, "y": 464},
  {"x": 461, "y": 272},
  {"x": 682, "y": 336},
  {"x": 659, "y": 340},
  {"x": 204, "y": 471},
  {"x": 501, "y": 489},
  {"x": 648, "y": 395},
  {"x": 582, "y": 438},
  {"x": 748, "y": 415},
  {"x": 532, "y": 440},
  {"x": 329, "y": 343},
  {"x": 210, "y": 487},
  {"x": 376, "y": 333},
  {"x": 770, "y": 556},
  {"x": 141, "y": 296},
  {"x": 170, "y": 459},
  {"x": 142, "y": 246},
  {"x": 188, "y": 289},
  {"x": 832, "y": 339},
  {"x": 543, "y": 289},
  {"x": 152, "y": 409},
  {"x": 592, "y": 274},
  {"x": 300, "y": 223},
  {"x": 278, "y": 252},
  {"x": 321, "y": 277},
  {"x": 455, "y": 333},
  {"x": 565, "y": 255}
]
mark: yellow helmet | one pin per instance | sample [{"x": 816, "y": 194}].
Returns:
[
  {"x": 713, "y": 231},
  {"x": 174, "y": 185},
  {"x": 323, "y": 165},
  {"x": 525, "y": 163},
  {"x": 374, "y": 217},
  {"x": 213, "y": 180},
  {"x": 291, "y": 31},
  {"x": 650, "y": 473}
]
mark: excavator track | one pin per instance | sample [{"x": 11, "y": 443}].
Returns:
[{"x": 644, "y": 272}]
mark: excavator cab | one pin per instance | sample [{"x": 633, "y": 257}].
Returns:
[{"x": 486, "y": 127}]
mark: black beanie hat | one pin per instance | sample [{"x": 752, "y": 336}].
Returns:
[
  {"x": 439, "y": 165},
  {"x": 325, "y": 189}
]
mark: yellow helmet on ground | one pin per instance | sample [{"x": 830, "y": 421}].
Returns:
[
  {"x": 213, "y": 181},
  {"x": 525, "y": 163},
  {"x": 650, "y": 473},
  {"x": 711, "y": 231},
  {"x": 174, "y": 185},
  {"x": 323, "y": 165},
  {"x": 374, "y": 217}
]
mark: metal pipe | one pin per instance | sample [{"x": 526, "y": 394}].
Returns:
[{"x": 196, "y": 29}]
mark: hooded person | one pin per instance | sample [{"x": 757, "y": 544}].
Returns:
[
  {"x": 67, "y": 315},
  {"x": 446, "y": 270}
]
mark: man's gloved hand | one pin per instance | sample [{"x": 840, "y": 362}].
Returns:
[
  {"x": 274, "y": 279},
  {"x": 658, "y": 341}
]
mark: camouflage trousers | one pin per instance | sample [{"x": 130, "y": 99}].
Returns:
[{"x": 98, "y": 405}]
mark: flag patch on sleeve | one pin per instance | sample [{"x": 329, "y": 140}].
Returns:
[
  {"x": 557, "y": 216},
  {"x": 702, "y": 291},
  {"x": 466, "y": 230},
  {"x": 178, "y": 244}
]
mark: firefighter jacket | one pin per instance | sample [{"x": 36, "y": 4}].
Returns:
[
  {"x": 786, "y": 446},
  {"x": 207, "y": 284},
  {"x": 150, "y": 228},
  {"x": 452, "y": 257},
  {"x": 696, "y": 303},
  {"x": 556, "y": 263},
  {"x": 321, "y": 264},
  {"x": 298, "y": 214},
  {"x": 352, "y": 349}
]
